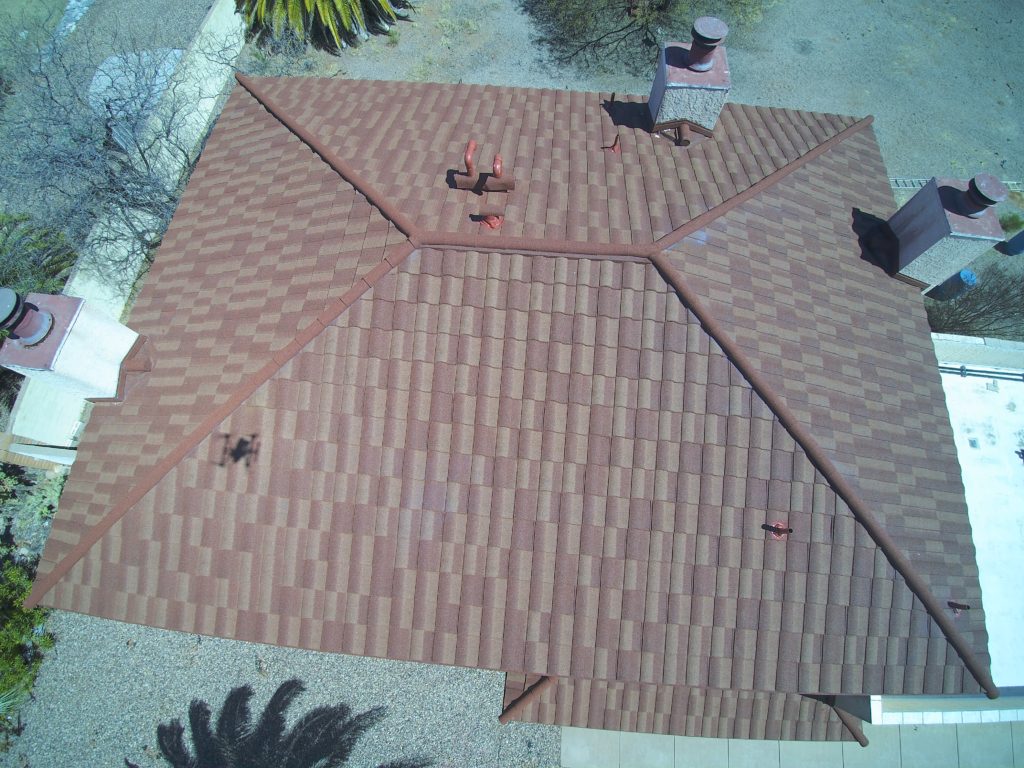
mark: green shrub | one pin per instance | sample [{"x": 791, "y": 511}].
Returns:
[
  {"x": 32, "y": 257},
  {"x": 23, "y": 638},
  {"x": 330, "y": 23},
  {"x": 28, "y": 500},
  {"x": 1011, "y": 222}
]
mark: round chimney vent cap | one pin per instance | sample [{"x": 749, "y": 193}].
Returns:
[
  {"x": 710, "y": 28},
  {"x": 989, "y": 187},
  {"x": 10, "y": 305}
]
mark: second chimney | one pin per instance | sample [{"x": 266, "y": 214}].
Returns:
[
  {"x": 692, "y": 81},
  {"x": 945, "y": 226}
]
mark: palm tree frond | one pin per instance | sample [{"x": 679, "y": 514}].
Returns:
[
  {"x": 170, "y": 739},
  {"x": 207, "y": 749},
  {"x": 350, "y": 733},
  {"x": 322, "y": 738},
  {"x": 315, "y": 737},
  {"x": 234, "y": 722},
  {"x": 271, "y": 726}
]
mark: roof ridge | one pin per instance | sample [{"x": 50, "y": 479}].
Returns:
[
  {"x": 755, "y": 189},
  {"x": 205, "y": 428},
  {"x": 843, "y": 488},
  {"x": 405, "y": 225}
]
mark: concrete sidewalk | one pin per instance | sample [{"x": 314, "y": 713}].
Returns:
[{"x": 977, "y": 745}]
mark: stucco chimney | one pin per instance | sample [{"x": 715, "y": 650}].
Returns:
[
  {"x": 945, "y": 226},
  {"x": 65, "y": 343},
  {"x": 692, "y": 81}
]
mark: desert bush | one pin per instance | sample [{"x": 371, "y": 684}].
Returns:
[
  {"x": 23, "y": 639},
  {"x": 29, "y": 500},
  {"x": 994, "y": 308},
  {"x": 626, "y": 34},
  {"x": 329, "y": 23},
  {"x": 98, "y": 128}
]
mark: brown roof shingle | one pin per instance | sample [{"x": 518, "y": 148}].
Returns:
[{"x": 537, "y": 449}]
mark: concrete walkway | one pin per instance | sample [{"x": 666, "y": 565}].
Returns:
[{"x": 977, "y": 745}]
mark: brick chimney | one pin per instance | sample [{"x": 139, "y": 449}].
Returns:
[
  {"x": 945, "y": 226},
  {"x": 65, "y": 343},
  {"x": 692, "y": 80}
]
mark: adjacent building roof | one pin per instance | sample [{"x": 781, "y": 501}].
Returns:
[{"x": 376, "y": 426}]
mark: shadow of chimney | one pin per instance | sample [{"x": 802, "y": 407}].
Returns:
[{"x": 878, "y": 244}]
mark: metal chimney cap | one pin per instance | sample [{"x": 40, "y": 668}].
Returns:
[
  {"x": 988, "y": 188},
  {"x": 10, "y": 305},
  {"x": 710, "y": 28}
]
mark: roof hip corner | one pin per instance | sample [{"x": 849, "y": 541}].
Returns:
[
  {"x": 404, "y": 224},
  {"x": 755, "y": 189},
  {"x": 828, "y": 469}
]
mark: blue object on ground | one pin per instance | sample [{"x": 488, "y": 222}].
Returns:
[{"x": 955, "y": 287}]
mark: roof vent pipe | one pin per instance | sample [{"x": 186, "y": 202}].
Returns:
[{"x": 708, "y": 33}]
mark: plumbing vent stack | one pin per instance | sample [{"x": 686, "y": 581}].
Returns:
[
  {"x": 945, "y": 226},
  {"x": 692, "y": 80},
  {"x": 65, "y": 343}
]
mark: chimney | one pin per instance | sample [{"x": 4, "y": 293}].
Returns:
[
  {"x": 65, "y": 343},
  {"x": 692, "y": 80},
  {"x": 945, "y": 226}
]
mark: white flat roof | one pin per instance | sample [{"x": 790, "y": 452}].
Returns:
[{"x": 987, "y": 414}]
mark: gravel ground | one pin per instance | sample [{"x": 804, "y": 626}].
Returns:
[
  {"x": 147, "y": 23},
  {"x": 106, "y": 686}
]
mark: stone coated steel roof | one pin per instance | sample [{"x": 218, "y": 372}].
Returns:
[{"x": 376, "y": 426}]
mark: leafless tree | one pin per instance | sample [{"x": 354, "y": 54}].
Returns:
[
  {"x": 626, "y": 34},
  {"x": 98, "y": 138},
  {"x": 994, "y": 307}
]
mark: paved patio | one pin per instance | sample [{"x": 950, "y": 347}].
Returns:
[{"x": 975, "y": 745}]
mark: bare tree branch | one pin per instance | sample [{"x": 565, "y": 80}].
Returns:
[
  {"x": 98, "y": 139},
  {"x": 994, "y": 308}
]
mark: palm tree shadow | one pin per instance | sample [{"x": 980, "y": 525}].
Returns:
[{"x": 323, "y": 736}]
